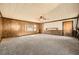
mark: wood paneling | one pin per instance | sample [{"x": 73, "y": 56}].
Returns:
[
  {"x": 0, "y": 28},
  {"x": 41, "y": 28},
  {"x": 13, "y": 28},
  {"x": 54, "y": 32}
]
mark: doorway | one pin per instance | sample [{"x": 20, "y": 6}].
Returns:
[{"x": 67, "y": 28}]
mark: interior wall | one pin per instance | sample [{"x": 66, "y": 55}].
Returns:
[
  {"x": 0, "y": 28},
  {"x": 52, "y": 26},
  {"x": 12, "y": 28}
]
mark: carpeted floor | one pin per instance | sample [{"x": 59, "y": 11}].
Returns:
[{"x": 39, "y": 44}]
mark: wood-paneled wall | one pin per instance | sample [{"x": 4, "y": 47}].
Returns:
[
  {"x": 54, "y": 32},
  {"x": 0, "y": 28},
  {"x": 13, "y": 28}
]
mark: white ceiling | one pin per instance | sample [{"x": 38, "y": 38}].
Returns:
[
  {"x": 28, "y": 11},
  {"x": 32, "y": 11},
  {"x": 63, "y": 11}
]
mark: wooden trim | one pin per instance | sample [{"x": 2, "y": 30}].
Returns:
[
  {"x": 63, "y": 27},
  {"x": 61, "y": 20},
  {"x": 18, "y": 20},
  {"x": 38, "y": 22}
]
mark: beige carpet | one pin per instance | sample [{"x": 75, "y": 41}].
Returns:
[{"x": 39, "y": 44}]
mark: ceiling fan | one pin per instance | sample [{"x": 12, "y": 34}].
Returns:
[{"x": 42, "y": 17}]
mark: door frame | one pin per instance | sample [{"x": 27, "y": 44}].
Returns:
[{"x": 63, "y": 27}]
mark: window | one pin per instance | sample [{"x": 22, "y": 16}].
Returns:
[
  {"x": 31, "y": 27},
  {"x": 35, "y": 27}
]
